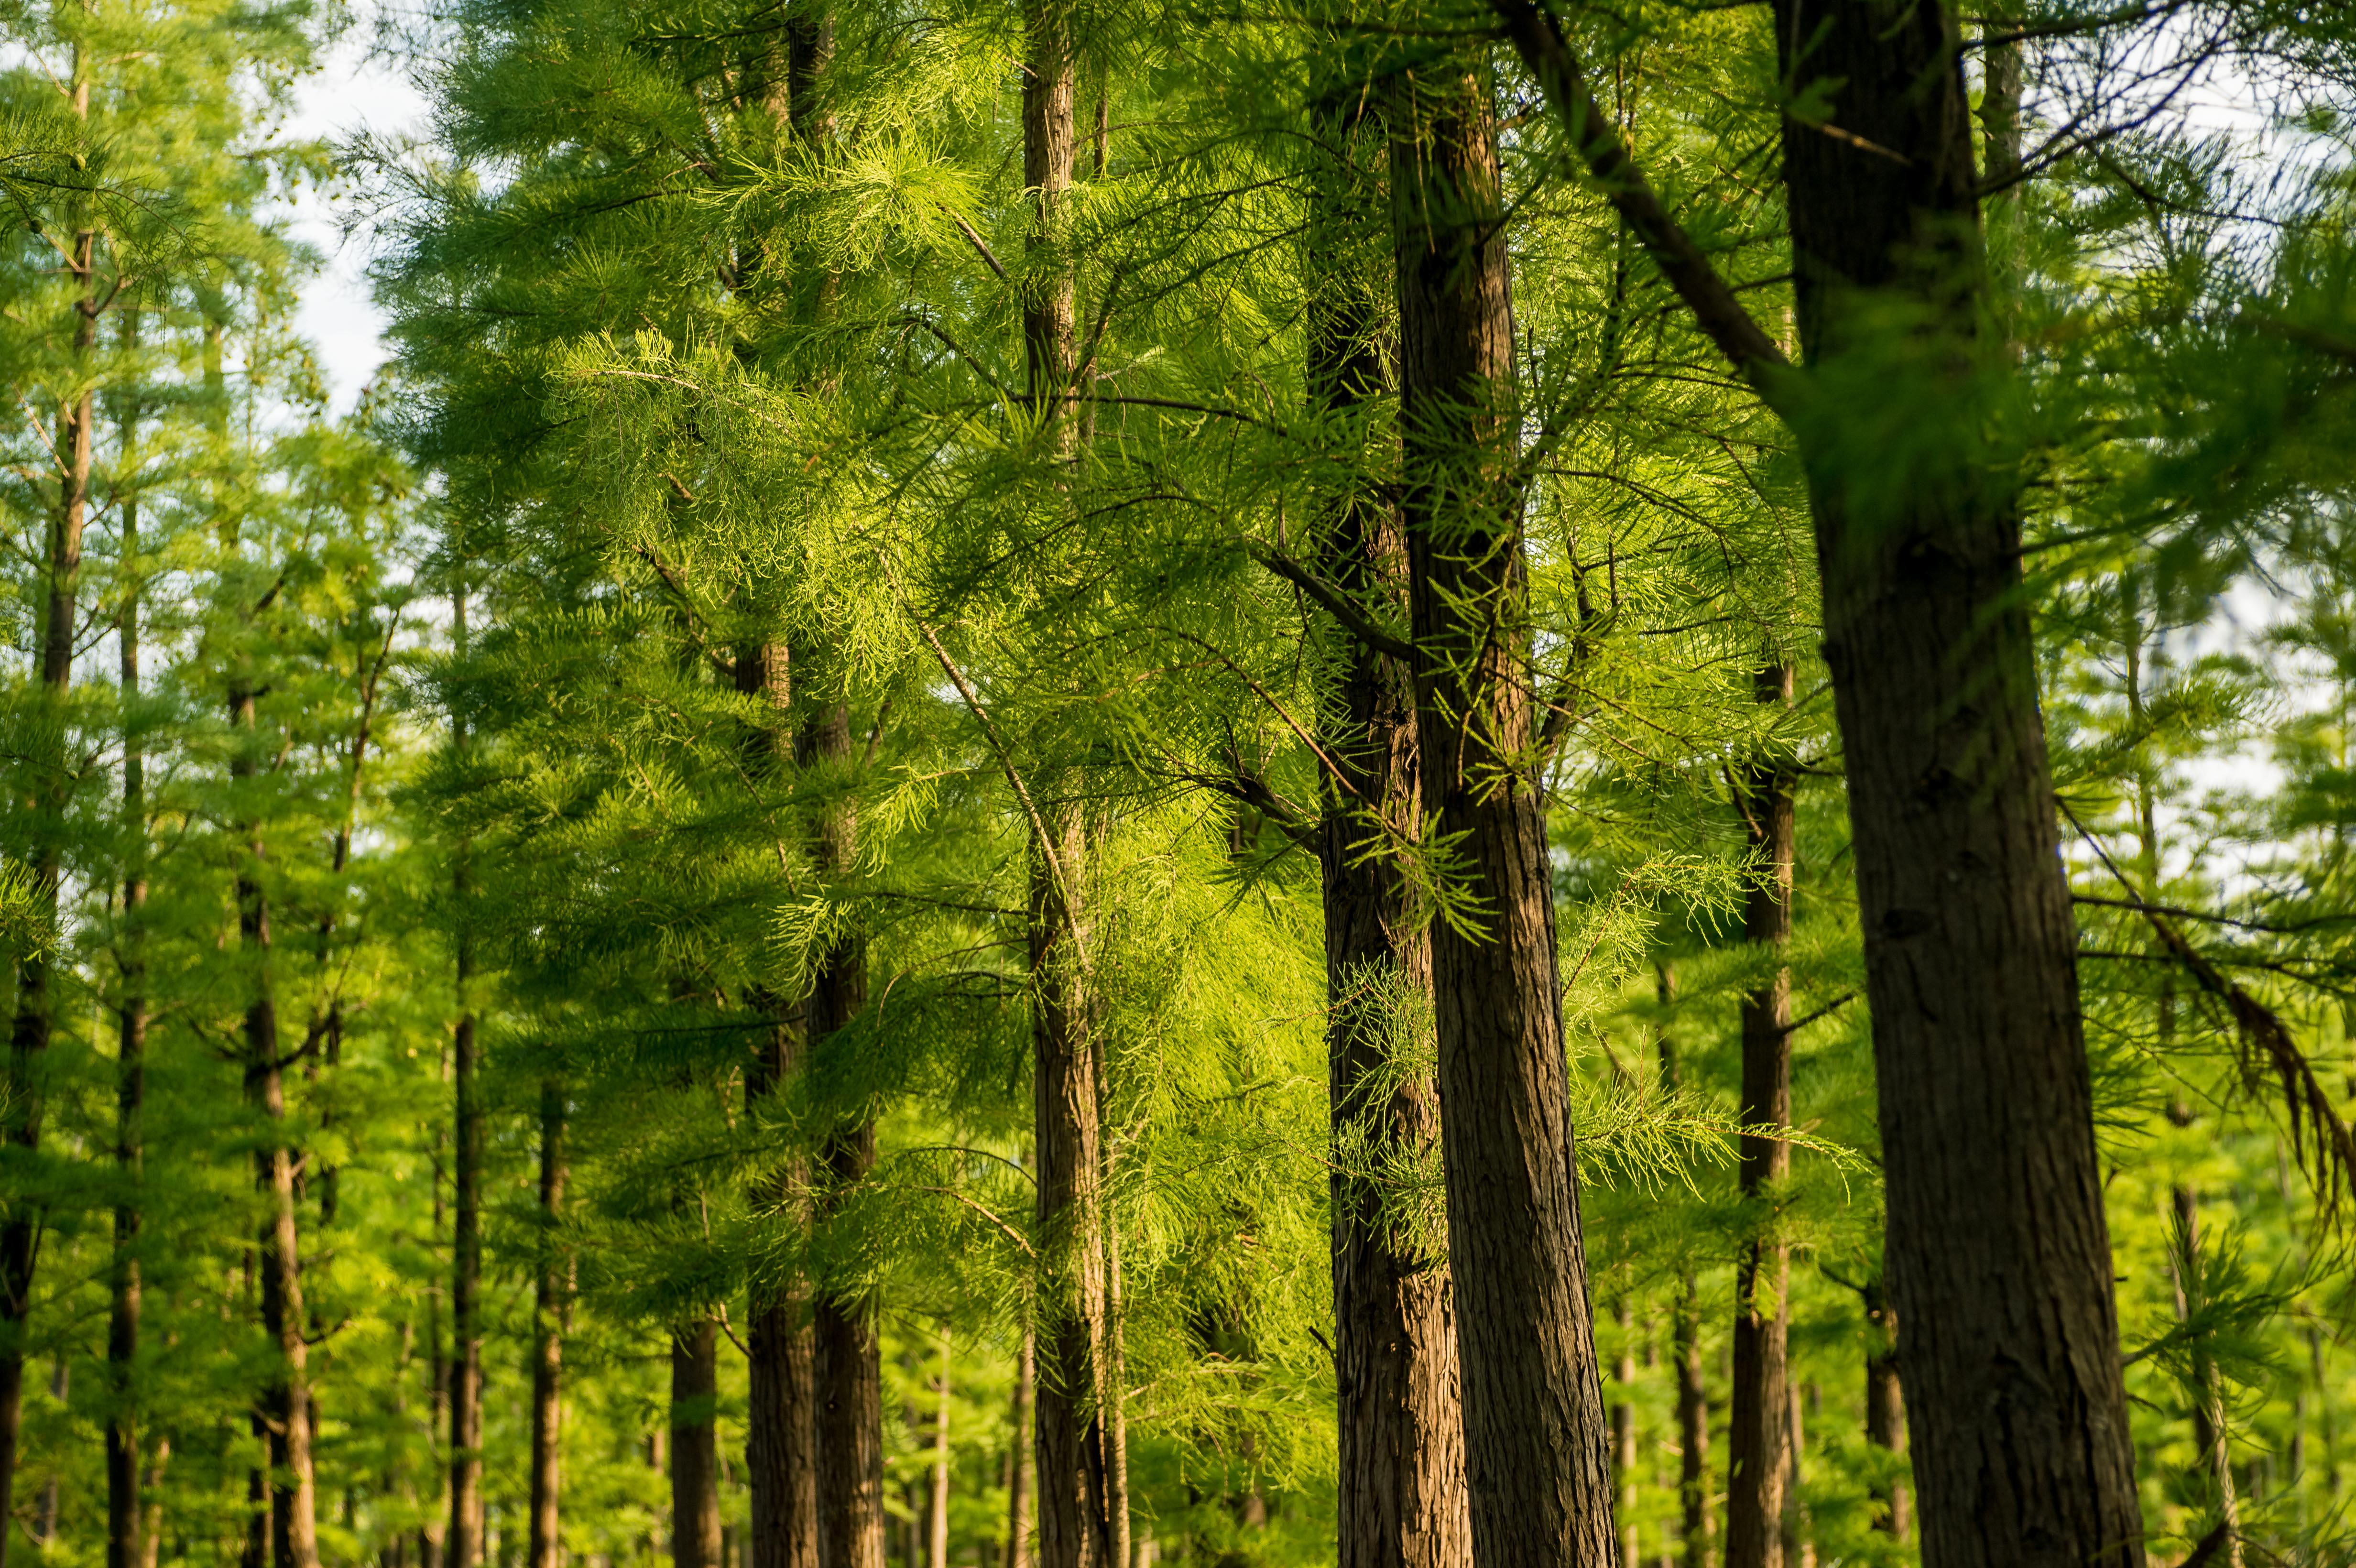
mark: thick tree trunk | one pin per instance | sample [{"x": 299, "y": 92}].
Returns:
[
  {"x": 694, "y": 1445},
  {"x": 1401, "y": 1501},
  {"x": 1998, "y": 1255},
  {"x": 28, "y": 1035},
  {"x": 552, "y": 1297},
  {"x": 1757, "y": 1464},
  {"x": 1885, "y": 1409},
  {"x": 1537, "y": 1455},
  {"x": 124, "y": 1516},
  {"x": 1018, "y": 1462}
]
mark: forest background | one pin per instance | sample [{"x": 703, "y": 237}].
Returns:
[{"x": 920, "y": 844}]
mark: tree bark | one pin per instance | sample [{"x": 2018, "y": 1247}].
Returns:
[
  {"x": 1401, "y": 1501},
  {"x": 1537, "y": 1458},
  {"x": 463, "y": 1542},
  {"x": 1624, "y": 1432},
  {"x": 1998, "y": 1256},
  {"x": 1758, "y": 1464},
  {"x": 551, "y": 1299},
  {"x": 694, "y": 1445},
  {"x": 1885, "y": 1409},
  {"x": 937, "y": 1515},
  {"x": 124, "y": 1516},
  {"x": 28, "y": 1035},
  {"x": 1018, "y": 1461}
]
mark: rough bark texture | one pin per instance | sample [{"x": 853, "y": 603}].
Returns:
[
  {"x": 552, "y": 1297},
  {"x": 1401, "y": 1498},
  {"x": 1756, "y": 1462},
  {"x": 126, "y": 1520},
  {"x": 1537, "y": 1455},
  {"x": 694, "y": 1445},
  {"x": 1885, "y": 1411},
  {"x": 1998, "y": 1256}
]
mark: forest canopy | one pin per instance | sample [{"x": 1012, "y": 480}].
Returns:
[{"x": 1404, "y": 783}]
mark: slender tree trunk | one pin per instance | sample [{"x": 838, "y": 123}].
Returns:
[
  {"x": 1401, "y": 1502},
  {"x": 124, "y": 1516},
  {"x": 431, "y": 1534},
  {"x": 1537, "y": 1459},
  {"x": 151, "y": 1521},
  {"x": 1692, "y": 1395},
  {"x": 1885, "y": 1411},
  {"x": 1018, "y": 1462},
  {"x": 694, "y": 1445},
  {"x": 29, "y": 1036},
  {"x": 1624, "y": 1433},
  {"x": 552, "y": 1297},
  {"x": 1756, "y": 1462},
  {"x": 1791, "y": 1528},
  {"x": 1998, "y": 1255},
  {"x": 937, "y": 1515},
  {"x": 464, "y": 1542}
]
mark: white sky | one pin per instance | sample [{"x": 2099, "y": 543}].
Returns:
[{"x": 354, "y": 91}]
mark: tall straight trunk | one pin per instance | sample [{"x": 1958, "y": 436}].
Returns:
[
  {"x": 464, "y": 1544},
  {"x": 1692, "y": 1395},
  {"x": 1018, "y": 1461},
  {"x": 124, "y": 1516},
  {"x": 1998, "y": 1256},
  {"x": 551, "y": 1299},
  {"x": 694, "y": 1445},
  {"x": 781, "y": 1455},
  {"x": 1075, "y": 1527},
  {"x": 1757, "y": 1461},
  {"x": 937, "y": 1516},
  {"x": 28, "y": 1035},
  {"x": 1538, "y": 1457},
  {"x": 283, "y": 1409},
  {"x": 1624, "y": 1433},
  {"x": 1792, "y": 1528},
  {"x": 431, "y": 1532},
  {"x": 847, "y": 1354},
  {"x": 1885, "y": 1411},
  {"x": 151, "y": 1517},
  {"x": 1401, "y": 1501}
]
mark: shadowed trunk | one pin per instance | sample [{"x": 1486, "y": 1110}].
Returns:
[
  {"x": 694, "y": 1445},
  {"x": 1998, "y": 1255},
  {"x": 1693, "y": 1395},
  {"x": 1401, "y": 1501},
  {"x": 464, "y": 1547},
  {"x": 1537, "y": 1457},
  {"x": 551, "y": 1299},
  {"x": 1018, "y": 1461},
  {"x": 1885, "y": 1409},
  {"x": 1758, "y": 1465},
  {"x": 126, "y": 1519}
]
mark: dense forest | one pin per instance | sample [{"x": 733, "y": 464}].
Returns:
[{"x": 1406, "y": 784}]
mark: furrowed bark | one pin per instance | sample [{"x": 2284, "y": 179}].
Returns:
[
  {"x": 1998, "y": 1257},
  {"x": 1758, "y": 1465},
  {"x": 126, "y": 1519},
  {"x": 552, "y": 1299},
  {"x": 694, "y": 1445},
  {"x": 1537, "y": 1455},
  {"x": 1401, "y": 1501}
]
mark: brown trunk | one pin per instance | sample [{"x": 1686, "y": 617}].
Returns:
[
  {"x": 1018, "y": 1463},
  {"x": 1537, "y": 1458},
  {"x": 551, "y": 1296},
  {"x": 1885, "y": 1409},
  {"x": 124, "y": 1516},
  {"x": 151, "y": 1517},
  {"x": 1998, "y": 1255},
  {"x": 695, "y": 1446},
  {"x": 1791, "y": 1528},
  {"x": 1624, "y": 1433},
  {"x": 1401, "y": 1501},
  {"x": 1693, "y": 1395},
  {"x": 29, "y": 1036},
  {"x": 1756, "y": 1462},
  {"x": 464, "y": 1542},
  {"x": 1049, "y": 317},
  {"x": 437, "y": 1371},
  {"x": 937, "y": 1515}
]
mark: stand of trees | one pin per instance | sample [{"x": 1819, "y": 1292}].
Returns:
[{"x": 1422, "y": 784}]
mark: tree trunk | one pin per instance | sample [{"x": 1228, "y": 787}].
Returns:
[
  {"x": 124, "y": 1516},
  {"x": 1018, "y": 1463},
  {"x": 29, "y": 1036},
  {"x": 2209, "y": 1432},
  {"x": 552, "y": 1297},
  {"x": 1792, "y": 1528},
  {"x": 1757, "y": 1464},
  {"x": 1693, "y": 1395},
  {"x": 464, "y": 1544},
  {"x": 694, "y": 1445},
  {"x": 1885, "y": 1409},
  {"x": 1624, "y": 1433},
  {"x": 937, "y": 1514},
  {"x": 430, "y": 1534},
  {"x": 1537, "y": 1459},
  {"x": 1998, "y": 1255},
  {"x": 1401, "y": 1501}
]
